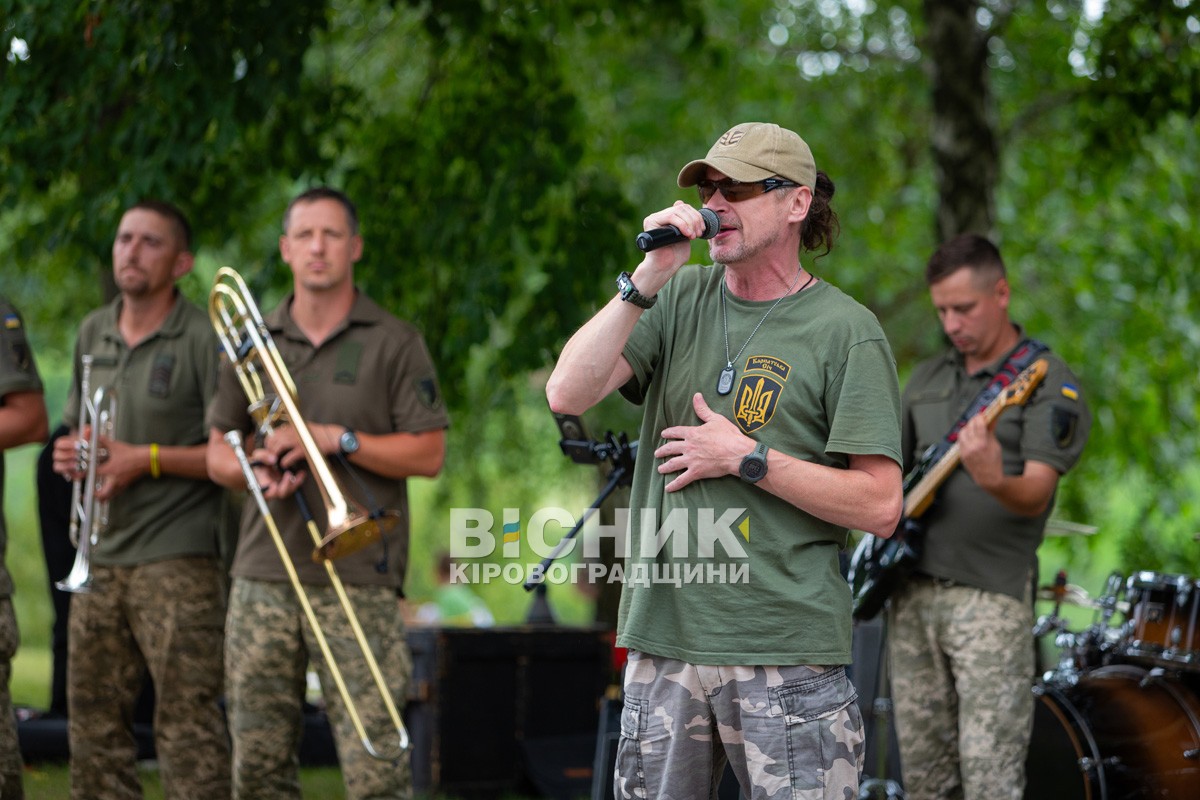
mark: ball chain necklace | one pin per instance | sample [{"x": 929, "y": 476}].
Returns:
[{"x": 725, "y": 381}]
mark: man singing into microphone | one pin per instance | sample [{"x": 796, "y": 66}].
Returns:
[{"x": 772, "y": 426}]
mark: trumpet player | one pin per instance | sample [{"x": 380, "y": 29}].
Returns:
[
  {"x": 22, "y": 421},
  {"x": 369, "y": 394},
  {"x": 157, "y": 596}
]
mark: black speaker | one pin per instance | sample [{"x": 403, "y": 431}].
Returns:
[{"x": 494, "y": 710}]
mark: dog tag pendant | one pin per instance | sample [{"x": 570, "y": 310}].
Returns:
[{"x": 725, "y": 382}]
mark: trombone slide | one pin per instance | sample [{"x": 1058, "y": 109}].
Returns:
[{"x": 234, "y": 438}]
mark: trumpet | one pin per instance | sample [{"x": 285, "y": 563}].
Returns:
[
  {"x": 89, "y": 516},
  {"x": 250, "y": 348}
]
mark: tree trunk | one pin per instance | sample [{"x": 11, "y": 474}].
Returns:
[{"x": 965, "y": 150}]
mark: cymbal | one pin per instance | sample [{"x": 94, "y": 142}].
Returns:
[
  {"x": 1071, "y": 594},
  {"x": 1075, "y": 595},
  {"x": 1062, "y": 527}
]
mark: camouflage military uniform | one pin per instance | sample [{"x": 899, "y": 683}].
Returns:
[
  {"x": 11, "y": 765},
  {"x": 794, "y": 731},
  {"x": 173, "y": 612},
  {"x": 960, "y": 633},
  {"x": 373, "y": 375},
  {"x": 270, "y": 632},
  {"x": 158, "y": 593},
  {"x": 965, "y": 728},
  {"x": 18, "y": 373}
]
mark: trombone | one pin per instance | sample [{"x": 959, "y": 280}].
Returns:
[
  {"x": 89, "y": 516},
  {"x": 248, "y": 343},
  {"x": 250, "y": 348}
]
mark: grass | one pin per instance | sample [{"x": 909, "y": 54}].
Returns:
[{"x": 52, "y": 782}]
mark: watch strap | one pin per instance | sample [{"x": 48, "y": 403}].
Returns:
[{"x": 630, "y": 294}]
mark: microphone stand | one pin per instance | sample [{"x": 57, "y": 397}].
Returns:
[{"x": 615, "y": 449}]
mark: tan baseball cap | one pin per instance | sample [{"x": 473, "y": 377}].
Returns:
[{"x": 753, "y": 151}]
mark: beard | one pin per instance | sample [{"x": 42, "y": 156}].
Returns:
[
  {"x": 132, "y": 281},
  {"x": 744, "y": 249}
]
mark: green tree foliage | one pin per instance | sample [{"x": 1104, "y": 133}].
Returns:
[
  {"x": 503, "y": 153},
  {"x": 108, "y": 102},
  {"x": 475, "y": 194},
  {"x": 1144, "y": 64}
]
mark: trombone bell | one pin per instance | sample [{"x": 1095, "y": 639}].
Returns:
[{"x": 354, "y": 535}]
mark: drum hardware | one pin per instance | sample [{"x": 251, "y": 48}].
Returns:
[
  {"x": 1091, "y": 647},
  {"x": 1061, "y": 527},
  {"x": 1163, "y": 628},
  {"x": 1119, "y": 731}
]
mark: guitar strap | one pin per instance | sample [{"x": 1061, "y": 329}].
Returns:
[{"x": 1019, "y": 359}]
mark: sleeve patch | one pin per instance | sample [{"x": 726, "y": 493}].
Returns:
[{"x": 1062, "y": 426}]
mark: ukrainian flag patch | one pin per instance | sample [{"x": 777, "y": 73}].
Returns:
[
  {"x": 1070, "y": 392},
  {"x": 12, "y": 322}
]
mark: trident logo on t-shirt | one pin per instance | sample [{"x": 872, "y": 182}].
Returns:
[{"x": 758, "y": 391}]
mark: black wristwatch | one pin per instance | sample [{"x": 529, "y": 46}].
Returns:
[
  {"x": 630, "y": 294},
  {"x": 348, "y": 443},
  {"x": 754, "y": 465}
]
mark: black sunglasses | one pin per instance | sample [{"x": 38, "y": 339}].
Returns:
[{"x": 737, "y": 191}]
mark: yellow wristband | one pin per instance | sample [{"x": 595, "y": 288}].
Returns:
[{"x": 155, "y": 471}]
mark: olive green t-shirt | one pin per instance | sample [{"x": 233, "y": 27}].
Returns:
[
  {"x": 161, "y": 387},
  {"x": 373, "y": 375},
  {"x": 970, "y": 537},
  {"x": 18, "y": 373},
  {"x": 759, "y": 582}
]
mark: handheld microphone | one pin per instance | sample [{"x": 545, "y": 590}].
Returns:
[{"x": 661, "y": 237}]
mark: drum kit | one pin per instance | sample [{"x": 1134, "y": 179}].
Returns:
[{"x": 1118, "y": 717}]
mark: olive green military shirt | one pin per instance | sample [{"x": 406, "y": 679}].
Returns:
[
  {"x": 18, "y": 373},
  {"x": 971, "y": 538},
  {"x": 723, "y": 572},
  {"x": 161, "y": 386},
  {"x": 373, "y": 375}
]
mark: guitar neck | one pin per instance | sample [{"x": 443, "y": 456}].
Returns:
[{"x": 918, "y": 500}]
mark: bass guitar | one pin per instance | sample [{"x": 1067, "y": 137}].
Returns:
[{"x": 879, "y": 566}]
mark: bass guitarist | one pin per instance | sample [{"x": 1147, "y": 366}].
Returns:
[{"x": 960, "y": 644}]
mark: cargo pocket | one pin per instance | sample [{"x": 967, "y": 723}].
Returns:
[
  {"x": 630, "y": 772},
  {"x": 824, "y": 731}
]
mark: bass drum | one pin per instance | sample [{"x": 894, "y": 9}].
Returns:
[{"x": 1120, "y": 733}]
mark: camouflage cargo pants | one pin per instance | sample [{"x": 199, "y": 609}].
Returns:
[
  {"x": 961, "y": 661},
  {"x": 268, "y": 650},
  {"x": 11, "y": 787},
  {"x": 787, "y": 732},
  {"x": 167, "y": 616}
]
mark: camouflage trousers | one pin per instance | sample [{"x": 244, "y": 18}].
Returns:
[
  {"x": 11, "y": 787},
  {"x": 787, "y": 732},
  {"x": 962, "y": 663},
  {"x": 269, "y": 647},
  {"x": 167, "y": 617}
]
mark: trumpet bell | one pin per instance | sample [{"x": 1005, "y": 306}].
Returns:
[
  {"x": 355, "y": 535},
  {"x": 79, "y": 580}
]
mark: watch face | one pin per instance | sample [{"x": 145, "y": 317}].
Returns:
[
  {"x": 348, "y": 442},
  {"x": 753, "y": 468}
]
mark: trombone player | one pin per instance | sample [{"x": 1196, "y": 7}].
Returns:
[
  {"x": 156, "y": 597},
  {"x": 369, "y": 395}
]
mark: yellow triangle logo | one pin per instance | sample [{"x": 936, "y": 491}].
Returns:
[{"x": 745, "y": 528}]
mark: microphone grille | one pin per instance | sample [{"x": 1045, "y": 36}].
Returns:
[{"x": 712, "y": 224}]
